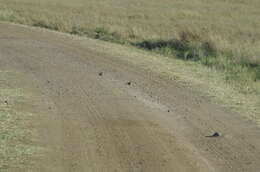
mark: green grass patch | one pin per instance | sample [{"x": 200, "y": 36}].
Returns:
[{"x": 7, "y": 15}]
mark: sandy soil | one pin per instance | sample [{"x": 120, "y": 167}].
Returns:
[{"x": 92, "y": 122}]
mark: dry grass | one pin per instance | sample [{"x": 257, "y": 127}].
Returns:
[{"x": 230, "y": 24}]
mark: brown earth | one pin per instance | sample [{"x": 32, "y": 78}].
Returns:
[{"x": 92, "y": 122}]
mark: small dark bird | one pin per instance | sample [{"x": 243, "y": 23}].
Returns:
[
  {"x": 48, "y": 81},
  {"x": 168, "y": 111},
  {"x": 100, "y": 73},
  {"x": 129, "y": 83},
  {"x": 216, "y": 134},
  {"x": 6, "y": 102}
]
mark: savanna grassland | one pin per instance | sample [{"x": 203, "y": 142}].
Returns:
[{"x": 223, "y": 35}]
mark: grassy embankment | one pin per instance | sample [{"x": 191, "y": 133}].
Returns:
[{"x": 222, "y": 35}]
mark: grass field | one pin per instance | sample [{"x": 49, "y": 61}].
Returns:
[{"x": 223, "y": 35}]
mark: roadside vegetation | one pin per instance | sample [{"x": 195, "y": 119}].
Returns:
[
  {"x": 222, "y": 35},
  {"x": 16, "y": 132}
]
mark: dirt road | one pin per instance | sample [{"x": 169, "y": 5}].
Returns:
[{"x": 98, "y": 122}]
